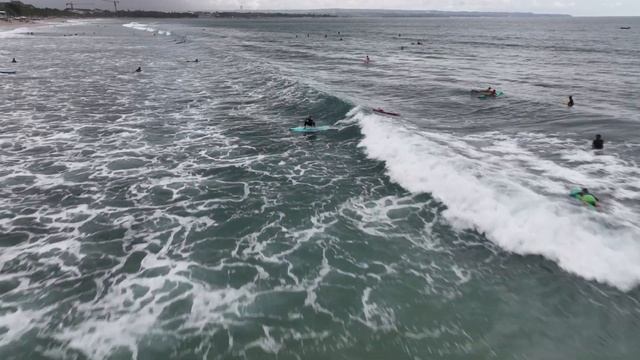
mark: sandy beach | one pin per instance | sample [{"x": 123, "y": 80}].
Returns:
[{"x": 10, "y": 25}]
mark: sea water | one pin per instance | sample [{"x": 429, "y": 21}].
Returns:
[{"x": 170, "y": 214}]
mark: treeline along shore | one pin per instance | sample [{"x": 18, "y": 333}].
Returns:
[{"x": 17, "y": 9}]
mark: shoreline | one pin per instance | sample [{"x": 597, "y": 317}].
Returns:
[
  {"x": 7, "y": 25},
  {"x": 29, "y": 24}
]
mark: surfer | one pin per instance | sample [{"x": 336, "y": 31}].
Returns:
[
  {"x": 588, "y": 198},
  {"x": 309, "y": 122},
  {"x": 382, "y": 111},
  {"x": 367, "y": 60},
  {"x": 598, "y": 143},
  {"x": 570, "y": 103},
  {"x": 139, "y": 69},
  {"x": 487, "y": 92},
  {"x": 13, "y": 61}
]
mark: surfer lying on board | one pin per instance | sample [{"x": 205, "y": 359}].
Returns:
[
  {"x": 489, "y": 92},
  {"x": 382, "y": 111},
  {"x": 309, "y": 122},
  {"x": 588, "y": 198}
]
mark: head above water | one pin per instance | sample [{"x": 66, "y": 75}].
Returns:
[{"x": 598, "y": 136}]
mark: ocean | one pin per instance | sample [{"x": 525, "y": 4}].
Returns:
[{"x": 171, "y": 214}]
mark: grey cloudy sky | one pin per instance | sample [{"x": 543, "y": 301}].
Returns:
[{"x": 573, "y": 7}]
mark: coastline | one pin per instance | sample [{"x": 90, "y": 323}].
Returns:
[{"x": 13, "y": 25}]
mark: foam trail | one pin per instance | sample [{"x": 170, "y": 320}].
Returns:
[
  {"x": 143, "y": 27},
  {"x": 14, "y": 32},
  {"x": 479, "y": 196}
]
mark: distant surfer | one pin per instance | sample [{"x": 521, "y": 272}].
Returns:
[
  {"x": 309, "y": 122},
  {"x": 586, "y": 197},
  {"x": 486, "y": 92},
  {"x": 598, "y": 143},
  {"x": 380, "y": 110},
  {"x": 139, "y": 69},
  {"x": 13, "y": 61},
  {"x": 490, "y": 92},
  {"x": 570, "y": 103},
  {"x": 367, "y": 60}
]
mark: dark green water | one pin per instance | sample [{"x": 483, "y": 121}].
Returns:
[{"x": 170, "y": 214}]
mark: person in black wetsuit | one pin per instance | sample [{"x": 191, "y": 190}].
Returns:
[
  {"x": 309, "y": 122},
  {"x": 14, "y": 61},
  {"x": 139, "y": 69},
  {"x": 570, "y": 103},
  {"x": 598, "y": 143}
]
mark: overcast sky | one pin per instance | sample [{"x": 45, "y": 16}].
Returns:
[{"x": 573, "y": 7}]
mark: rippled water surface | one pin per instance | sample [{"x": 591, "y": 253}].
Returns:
[{"x": 170, "y": 214}]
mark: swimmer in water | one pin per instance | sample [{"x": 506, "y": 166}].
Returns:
[{"x": 598, "y": 143}]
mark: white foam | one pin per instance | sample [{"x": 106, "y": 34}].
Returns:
[
  {"x": 17, "y": 323},
  {"x": 144, "y": 27},
  {"x": 495, "y": 194},
  {"x": 17, "y": 32}
]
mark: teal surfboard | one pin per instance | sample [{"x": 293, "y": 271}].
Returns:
[{"x": 302, "y": 129}]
